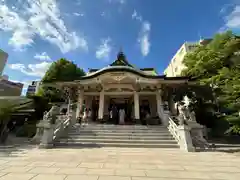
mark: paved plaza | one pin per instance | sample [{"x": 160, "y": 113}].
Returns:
[{"x": 118, "y": 164}]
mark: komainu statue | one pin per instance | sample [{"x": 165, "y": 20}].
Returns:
[
  {"x": 51, "y": 116},
  {"x": 182, "y": 113},
  {"x": 185, "y": 114},
  {"x": 192, "y": 116}
]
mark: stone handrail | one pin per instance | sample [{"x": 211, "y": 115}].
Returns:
[
  {"x": 40, "y": 129},
  {"x": 60, "y": 128},
  {"x": 182, "y": 135},
  {"x": 173, "y": 128},
  {"x": 52, "y": 132}
]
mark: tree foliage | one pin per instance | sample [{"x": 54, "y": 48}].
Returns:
[
  {"x": 61, "y": 70},
  {"x": 217, "y": 65}
]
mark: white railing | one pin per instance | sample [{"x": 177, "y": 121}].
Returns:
[
  {"x": 181, "y": 134},
  {"x": 52, "y": 132},
  {"x": 60, "y": 128},
  {"x": 173, "y": 129}
]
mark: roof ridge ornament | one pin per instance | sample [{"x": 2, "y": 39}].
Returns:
[{"x": 121, "y": 60}]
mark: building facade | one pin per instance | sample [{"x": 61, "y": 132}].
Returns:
[
  {"x": 3, "y": 60},
  {"x": 33, "y": 88},
  {"x": 9, "y": 88},
  {"x": 120, "y": 85},
  {"x": 176, "y": 65}
]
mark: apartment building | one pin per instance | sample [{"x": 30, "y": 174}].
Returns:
[
  {"x": 33, "y": 88},
  {"x": 9, "y": 88},
  {"x": 176, "y": 65},
  {"x": 3, "y": 60}
]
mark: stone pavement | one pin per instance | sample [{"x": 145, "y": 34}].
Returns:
[{"x": 118, "y": 164}]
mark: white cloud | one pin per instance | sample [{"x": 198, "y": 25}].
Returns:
[
  {"x": 136, "y": 16},
  {"x": 144, "y": 35},
  {"x": 43, "y": 56},
  {"x": 231, "y": 16},
  {"x": 104, "y": 50},
  {"x": 144, "y": 38},
  {"x": 37, "y": 70},
  {"x": 117, "y": 1},
  {"x": 42, "y": 18},
  {"x": 78, "y": 14},
  {"x": 225, "y": 8},
  {"x": 233, "y": 19},
  {"x": 11, "y": 21}
]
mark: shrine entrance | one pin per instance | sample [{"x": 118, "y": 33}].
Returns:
[{"x": 124, "y": 102}]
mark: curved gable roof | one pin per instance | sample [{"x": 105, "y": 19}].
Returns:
[
  {"x": 131, "y": 70},
  {"x": 121, "y": 69}
]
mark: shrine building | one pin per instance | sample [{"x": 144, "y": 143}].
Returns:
[{"x": 137, "y": 91}]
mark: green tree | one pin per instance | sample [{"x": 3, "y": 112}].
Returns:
[
  {"x": 61, "y": 70},
  {"x": 6, "y": 110},
  {"x": 217, "y": 65}
]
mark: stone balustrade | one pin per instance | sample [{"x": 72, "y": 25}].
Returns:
[
  {"x": 47, "y": 133},
  {"x": 182, "y": 135}
]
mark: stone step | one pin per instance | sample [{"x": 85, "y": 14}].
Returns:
[
  {"x": 119, "y": 130},
  {"x": 119, "y": 126},
  {"x": 130, "y": 141},
  {"x": 123, "y": 145},
  {"x": 169, "y": 137},
  {"x": 123, "y": 127},
  {"x": 84, "y": 133},
  {"x": 118, "y": 136}
]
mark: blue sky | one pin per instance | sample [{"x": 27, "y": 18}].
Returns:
[{"x": 90, "y": 32}]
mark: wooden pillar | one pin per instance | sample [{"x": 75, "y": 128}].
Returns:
[
  {"x": 101, "y": 106},
  {"x": 136, "y": 106}
]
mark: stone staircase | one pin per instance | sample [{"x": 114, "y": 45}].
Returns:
[{"x": 97, "y": 135}]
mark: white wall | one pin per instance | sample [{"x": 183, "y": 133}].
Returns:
[{"x": 176, "y": 65}]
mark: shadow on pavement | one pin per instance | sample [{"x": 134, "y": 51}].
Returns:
[{"x": 15, "y": 146}]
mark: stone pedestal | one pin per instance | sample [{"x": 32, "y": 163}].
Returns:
[
  {"x": 47, "y": 138},
  {"x": 73, "y": 117},
  {"x": 185, "y": 139},
  {"x": 165, "y": 119},
  {"x": 39, "y": 133},
  {"x": 196, "y": 129}
]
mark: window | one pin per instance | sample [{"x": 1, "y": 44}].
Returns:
[{"x": 176, "y": 68}]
